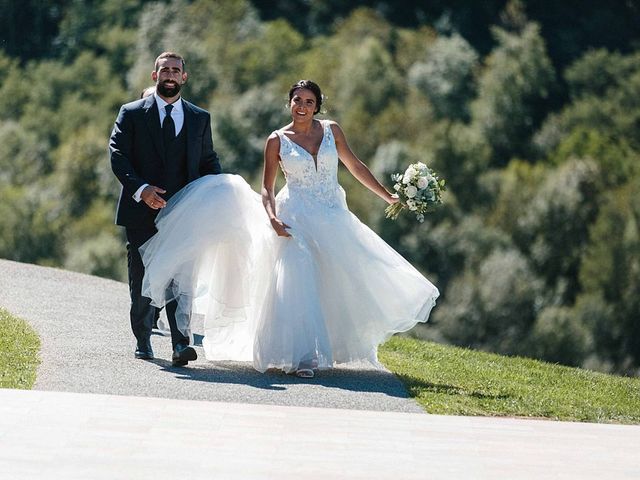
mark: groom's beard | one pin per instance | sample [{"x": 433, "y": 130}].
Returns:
[{"x": 168, "y": 90}]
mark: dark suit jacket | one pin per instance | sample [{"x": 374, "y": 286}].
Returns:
[{"x": 137, "y": 154}]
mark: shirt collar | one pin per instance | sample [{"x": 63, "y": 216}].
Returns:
[{"x": 177, "y": 105}]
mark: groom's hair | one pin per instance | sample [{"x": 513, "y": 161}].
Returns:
[{"x": 169, "y": 55}]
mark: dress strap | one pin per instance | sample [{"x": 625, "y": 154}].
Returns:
[
  {"x": 283, "y": 146},
  {"x": 328, "y": 133},
  {"x": 281, "y": 136}
]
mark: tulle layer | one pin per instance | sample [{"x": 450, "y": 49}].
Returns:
[
  {"x": 330, "y": 294},
  {"x": 209, "y": 254}
]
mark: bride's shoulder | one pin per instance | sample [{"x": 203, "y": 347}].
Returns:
[
  {"x": 274, "y": 134},
  {"x": 333, "y": 125},
  {"x": 273, "y": 140}
]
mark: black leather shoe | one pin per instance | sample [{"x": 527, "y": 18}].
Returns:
[
  {"x": 182, "y": 355},
  {"x": 144, "y": 351}
]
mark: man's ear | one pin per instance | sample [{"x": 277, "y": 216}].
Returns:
[
  {"x": 154, "y": 76},
  {"x": 184, "y": 77}
]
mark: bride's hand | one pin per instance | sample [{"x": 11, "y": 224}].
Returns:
[
  {"x": 393, "y": 198},
  {"x": 280, "y": 227}
]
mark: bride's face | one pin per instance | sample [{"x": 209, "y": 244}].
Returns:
[{"x": 303, "y": 104}]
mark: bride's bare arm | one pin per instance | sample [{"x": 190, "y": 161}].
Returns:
[
  {"x": 271, "y": 153},
  {"x": 357, "y": 168}
]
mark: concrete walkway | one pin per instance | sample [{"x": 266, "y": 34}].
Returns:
[
  {"x": 50, "y": 435},
  {"x": 98, "y": 413}
]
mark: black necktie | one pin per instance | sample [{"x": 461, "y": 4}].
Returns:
[{"x": 168, "y": 127}]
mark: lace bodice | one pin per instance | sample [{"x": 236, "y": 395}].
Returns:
[{"x": 309, "y": 180}]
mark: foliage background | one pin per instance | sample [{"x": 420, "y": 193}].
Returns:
[{"x": 530, "y": 110}]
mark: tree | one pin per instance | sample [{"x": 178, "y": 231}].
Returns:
[
  {"x": 494, "y": 306},
  {"x": 513, "y": 87},
  {"x": 368, "y": 84},
  {"x": 553, "y": 231},
  {"x": 242, "y": 127},
  {"x": 610, "y": 271},
  {"x": 446, "y": 76},
  {"x": 560, "y": 335}
]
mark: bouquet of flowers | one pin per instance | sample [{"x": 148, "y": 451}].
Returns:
[{"x": 419, "y": 189}]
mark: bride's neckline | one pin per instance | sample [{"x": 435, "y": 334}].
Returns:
[{"x": 317, "y": 149}]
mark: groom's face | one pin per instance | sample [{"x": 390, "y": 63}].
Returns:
[{"x": 169, "y": 77}]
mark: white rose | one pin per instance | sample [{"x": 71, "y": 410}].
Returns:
[
  {"x": 422, "y": 183},
  {"x": 410, "y": 171},
  {"x": 408, "y": 175},
  {"x": 410, "y": 191}
]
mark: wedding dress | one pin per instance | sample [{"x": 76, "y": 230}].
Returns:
[{"x": 329, "y": 294}]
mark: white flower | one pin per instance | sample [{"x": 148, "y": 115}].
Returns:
[
  {"x": 419, "y": 189},
  {"x": 408, "y": 175}
]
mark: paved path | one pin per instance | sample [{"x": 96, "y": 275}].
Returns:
[{"x": 87, "y": 346}]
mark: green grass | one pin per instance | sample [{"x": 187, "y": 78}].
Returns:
[
  {"x": 456, "y": 381},
  {"x": 19, "y": 347}
]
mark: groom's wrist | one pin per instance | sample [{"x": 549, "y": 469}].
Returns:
[{"x": 138, "y": 195}]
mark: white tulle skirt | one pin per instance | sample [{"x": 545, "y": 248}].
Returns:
[{"x": 330, "y": 294}]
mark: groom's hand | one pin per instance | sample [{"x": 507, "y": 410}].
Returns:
[{"x": 150, "y": 196}]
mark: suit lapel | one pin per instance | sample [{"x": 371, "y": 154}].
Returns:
[
  {"x": 190, "y": 120},
  {"x": 152, "y": 117}
]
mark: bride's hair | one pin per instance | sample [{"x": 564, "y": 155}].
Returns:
[{"x": 312, "y": 87}]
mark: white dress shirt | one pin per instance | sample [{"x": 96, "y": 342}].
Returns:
[
  {"x": 178, "y": 119},
  {"x": 177, "y": 113}
]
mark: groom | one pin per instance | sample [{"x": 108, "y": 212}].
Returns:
[{"x": 158, "y": 144}]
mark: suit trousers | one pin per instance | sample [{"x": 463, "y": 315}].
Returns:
[{"x": 142, "y": 313}]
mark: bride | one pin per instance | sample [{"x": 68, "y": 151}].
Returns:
[{"x": 324, "y": 290}]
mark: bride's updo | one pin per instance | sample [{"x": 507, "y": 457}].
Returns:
[{"x": 312, "y": 87}]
